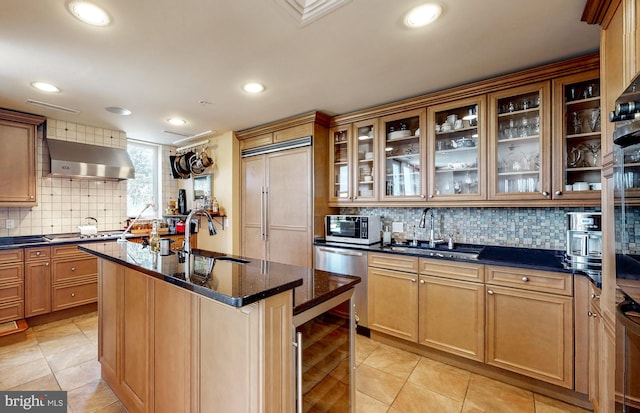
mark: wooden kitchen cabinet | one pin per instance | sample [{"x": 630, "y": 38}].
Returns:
[
  {"x": 577, "y": 152},
  {"x": 519, "y": 145},
  {"x": 18, "y": 131},
  {"x": 457, "y": 150},
  {"x": 272, "y": 228},
  {"x": 281, "y": 135},
  {"x": 159, "y": 352},
  {"x": 11, "y": 285},
  {"x": 528, "y": 331},
  {"x": 402, "y": 149},
  {"x": 74, "y": 277},
  {"x": 354, "y": 155},
  {"x": 595, "y": 316},
  {"x": 37, "y": 279},
  {"x": 393, "y": 295},
  {"x": 448, "y": 298}
]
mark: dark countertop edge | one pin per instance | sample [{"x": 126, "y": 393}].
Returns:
[
  {"x": 239, "y": 301},
  {"x": 377, "y": 248},
  {"x": 223, "y": 298},
  {"x": 312, "y": 303},
  {"x": 232, "y": 301}
]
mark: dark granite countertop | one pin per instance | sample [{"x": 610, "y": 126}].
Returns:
[
  {"x": 530, "y": 258},
  {"x": 232, "y": 280}
]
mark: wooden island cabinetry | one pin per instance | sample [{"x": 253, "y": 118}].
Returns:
[
  {"x": 74, "y": 277},
  {"x": 165, "y": 349}
]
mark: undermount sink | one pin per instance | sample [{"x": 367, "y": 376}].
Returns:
[{"x": 441, "y": 251}]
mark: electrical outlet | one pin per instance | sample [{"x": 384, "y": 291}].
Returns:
[
  {"x": 10, "y": 224},
  {"x": 397, "y": 227}
]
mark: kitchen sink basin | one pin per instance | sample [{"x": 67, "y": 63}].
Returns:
[{"x": 441, "y": 251}]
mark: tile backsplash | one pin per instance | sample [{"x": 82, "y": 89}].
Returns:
[
  {"x": 543, "y": 228},
  {"x": 63, "y": 203}
]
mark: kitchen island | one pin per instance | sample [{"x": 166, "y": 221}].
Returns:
[{"x": 202, "y": 331}]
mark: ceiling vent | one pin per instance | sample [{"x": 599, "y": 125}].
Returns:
[
  {"x": 52, "y": 106},
  {"x": 308, "y": 11}
]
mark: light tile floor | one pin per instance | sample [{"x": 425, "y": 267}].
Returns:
[{"x": 62, "y": 355}]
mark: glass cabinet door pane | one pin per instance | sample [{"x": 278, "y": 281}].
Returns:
[
  {"x": 341, "y": 177},
  {"x": 581, "y": 134},
  {"x": 518, "y": 151},
  {"x": 456, "y": 160},
  {"x": 365, "y": 176},
  {"x": 402, "y": 155}
]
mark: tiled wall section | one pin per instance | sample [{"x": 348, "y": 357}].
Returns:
[
  {"x": 63, "y": 203},
  {"x": 543, "y": 228}
]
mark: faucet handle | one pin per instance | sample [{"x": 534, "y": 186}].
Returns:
[{"x": 450, "y": 245}]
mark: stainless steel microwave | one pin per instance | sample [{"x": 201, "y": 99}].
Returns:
[{"x": 353, "y": 229}]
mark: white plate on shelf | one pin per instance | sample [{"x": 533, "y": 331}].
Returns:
[{"x": 398, "y": 134}]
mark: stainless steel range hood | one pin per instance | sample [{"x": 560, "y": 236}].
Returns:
[{"x": 81, "y": 160}]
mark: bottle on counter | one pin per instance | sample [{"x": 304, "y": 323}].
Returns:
[
  {"x": 182, "y": 202},
  {"x": 154, "y": 237},
  {"x": 215, "y": 207}
]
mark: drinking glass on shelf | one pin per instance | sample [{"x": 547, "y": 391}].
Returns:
[
  {"x": 594, "y": 120},
  {"x": 594, "y": 148},
  {"x": 576, "y": 123}
]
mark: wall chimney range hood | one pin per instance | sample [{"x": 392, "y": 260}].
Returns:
[{"x": 81, "y": 160}]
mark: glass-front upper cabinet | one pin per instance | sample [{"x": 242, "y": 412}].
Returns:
[
  {"x": 353, "y": 156},
  {"x": 403, "y": 158},
  {"x": 364, "y": 160},
  {"x": 341, "y": 175},
  {"x": 456, "y": 142},
  {"x": 519, "y": 143},
  {"x": 577, "y": 146}
]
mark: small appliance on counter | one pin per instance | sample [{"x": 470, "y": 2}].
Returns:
[
  {"x": 352, "y": 229},
  {"x": 584, "y": 242},
  {"x": 182, "y": 202}
]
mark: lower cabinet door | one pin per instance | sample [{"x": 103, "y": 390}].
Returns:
[
  {"x": 530, "y": 333},
  {"x": 393, "y": 303},
  {"x": 451, "y": 316},
  {"x": 37, "y": 278}
]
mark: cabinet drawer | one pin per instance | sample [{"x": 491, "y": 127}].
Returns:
[
  {"x": 72, "y": 295},
  {"x": 72, "y": 270},
  {"x": 37, "y": 253},
  {"x": 15, "y": 255},
  {"x": 533, "y": 280},
  {"x": 11, "y": 292},
  {"x": 11, "y": 272},
  {"x": 394, "y": 262},
  {"x": 454, "y": 270},
  {"x": 62, "y": 251},
  {"x": 12, "y": 311}
]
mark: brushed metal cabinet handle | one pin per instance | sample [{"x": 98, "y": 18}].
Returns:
[{"x": 490, "y": 292}]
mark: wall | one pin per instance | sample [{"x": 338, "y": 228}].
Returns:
[
  {"x": 543, "y": 228},
  {"x": 63, "y": 203},
  {"x": 225, "y": 151}
]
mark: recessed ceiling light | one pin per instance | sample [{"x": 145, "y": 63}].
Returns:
[
  {"x": 176, "y": 121},
  {"x": 89, "y": 13},
  {"x": 118, "y": 111},
  {"x": 422, "y": 15},
  {"x": 45, "y": 87},
  {"x": 253, "y": 87}
]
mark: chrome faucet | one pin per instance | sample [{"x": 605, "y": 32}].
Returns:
[
  {"x": 432, "y": 241},
  {"x": 187, "y": 231}
]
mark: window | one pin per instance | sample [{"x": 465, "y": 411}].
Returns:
[{"x": 144, "y": 188}]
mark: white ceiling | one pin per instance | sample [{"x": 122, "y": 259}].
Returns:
[{"x": 160, "y": 58}]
